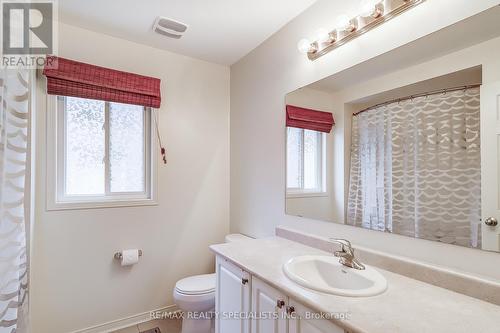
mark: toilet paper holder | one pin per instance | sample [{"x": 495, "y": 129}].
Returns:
[{"x": 119, "y": 255}]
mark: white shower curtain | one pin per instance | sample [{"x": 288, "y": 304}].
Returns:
[
  {"x": 415, "y": 168},
  {"x": 14, "y": 106}
]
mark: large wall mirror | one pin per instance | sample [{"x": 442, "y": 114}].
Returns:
[{"x": 406, "y": 143}]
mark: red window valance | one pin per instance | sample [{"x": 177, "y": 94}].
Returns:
[
  {"x": 72, "y": 78},
  {"x": 309, "y": 119}
]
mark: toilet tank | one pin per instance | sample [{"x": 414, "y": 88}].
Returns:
[{"x": 236, "y": 238}]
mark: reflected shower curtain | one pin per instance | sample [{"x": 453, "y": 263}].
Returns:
[
  {"x": 416, "y": 168},
  {"x": 14, "y": 102}
]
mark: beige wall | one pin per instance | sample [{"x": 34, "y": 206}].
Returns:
[
  {"x": 75, "y": 281},
  {"x": 261, "y": 79}
]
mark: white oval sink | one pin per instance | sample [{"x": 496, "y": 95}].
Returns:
[{"x": 326, "y": 274}]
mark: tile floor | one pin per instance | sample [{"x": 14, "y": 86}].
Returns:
[{"x": 165, "y": 325}]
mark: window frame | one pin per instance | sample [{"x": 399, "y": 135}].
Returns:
[
  {"x": 300, "y": 192},
  {"x": 56, "y": 196}
]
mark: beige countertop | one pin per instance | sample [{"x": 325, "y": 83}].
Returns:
[{"x": 408, "y": 306}]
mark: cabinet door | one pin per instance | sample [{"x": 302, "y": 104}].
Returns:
[
  {"x": 490, "y": 164},
  {"x": 268, "y": 307},
  {"x": 232, "y": 298},
  {"x": 302, "y": 321}
]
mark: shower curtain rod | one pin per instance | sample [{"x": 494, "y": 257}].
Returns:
[{"x": 435, "y": 92}]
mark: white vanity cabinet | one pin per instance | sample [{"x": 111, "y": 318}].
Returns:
[
  {"x": 270, "y": 310},
  {"x": 272, "y": 304},
  {"x": 232, "y": 298},
  {"x": 302, "y": 320}
]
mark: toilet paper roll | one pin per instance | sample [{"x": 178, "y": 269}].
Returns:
[{"x": 130, "y": 257}]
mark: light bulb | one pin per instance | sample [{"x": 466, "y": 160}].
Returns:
[
  {"x": 343, "y": 22},
  {"x": 369, "y": 8},
  {"x": 322, "y": 35},
  {"x": 304, "y": 45}
]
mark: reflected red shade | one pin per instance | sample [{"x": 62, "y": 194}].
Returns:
[{"x": 309, "y": 119}]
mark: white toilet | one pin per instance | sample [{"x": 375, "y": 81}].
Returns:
[{"x": 195, "y": 296}]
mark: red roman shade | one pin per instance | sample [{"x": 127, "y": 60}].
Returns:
[
  {"x": 309, "y": 119},
  {"x": 72, "y": 78}
]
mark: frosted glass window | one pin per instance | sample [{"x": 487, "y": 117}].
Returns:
[
  {"x": 104, "y": 150},
  {"x": 85, "y": 150},
  {"x": 294, "y": 159},
  {"x": 312, "y": 160},
  {"x": 126, "y": 147},
  {"x": 305, "y": 161}
]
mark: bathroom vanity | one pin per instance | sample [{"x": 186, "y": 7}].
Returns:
[
  {"x": 240, "y": 293},
  {"x": 251, "y": 282}
]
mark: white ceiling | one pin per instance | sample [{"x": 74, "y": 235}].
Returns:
[{"x": 220, "y": 31}]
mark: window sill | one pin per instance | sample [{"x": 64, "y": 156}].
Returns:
[
  {"x": 293, "y": 195},
  {"x": 80, "y": 205}
]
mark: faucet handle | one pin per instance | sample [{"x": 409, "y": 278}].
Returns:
[
  {"x": 345, "y": 247},
  {"x": 346, "y": 254},
  {"x": 341, "y": 241}
]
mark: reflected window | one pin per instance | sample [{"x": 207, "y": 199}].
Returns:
[{"x": 305, "y": 161}]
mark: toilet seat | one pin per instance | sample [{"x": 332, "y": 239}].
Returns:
[
  {"x": 196, "y": 285},
  {"x": 195, "y": 293}
]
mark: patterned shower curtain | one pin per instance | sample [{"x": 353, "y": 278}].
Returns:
[
  {"x": 415, "y": 168},
  {"x": 14, "y": 106}
]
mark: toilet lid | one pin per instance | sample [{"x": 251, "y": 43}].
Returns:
[{"x": 196, "y": 285}]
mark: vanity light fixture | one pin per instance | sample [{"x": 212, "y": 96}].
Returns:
[{"x": 372, "y": 13}]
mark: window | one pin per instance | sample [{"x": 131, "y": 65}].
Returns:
[
  {"x": 103, "y": 153},
  {"x": 305, "y": 162}
]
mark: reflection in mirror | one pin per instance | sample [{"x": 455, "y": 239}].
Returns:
[
  {"x": 415, "y": 167},
  {"x": 308, "y": 154},
  {"x": 405, "y": 153},
  {"x": 305, "y": 161}
]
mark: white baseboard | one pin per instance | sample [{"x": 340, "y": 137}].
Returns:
[{"x": 126, "y": 322}]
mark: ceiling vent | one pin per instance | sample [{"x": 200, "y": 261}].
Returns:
[{"x": 169, "y": 28}]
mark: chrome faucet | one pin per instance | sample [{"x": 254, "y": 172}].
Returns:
[{"x": 346, "y": 254}]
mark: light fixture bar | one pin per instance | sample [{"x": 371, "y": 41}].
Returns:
[{"x": 319, "y": 49}]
